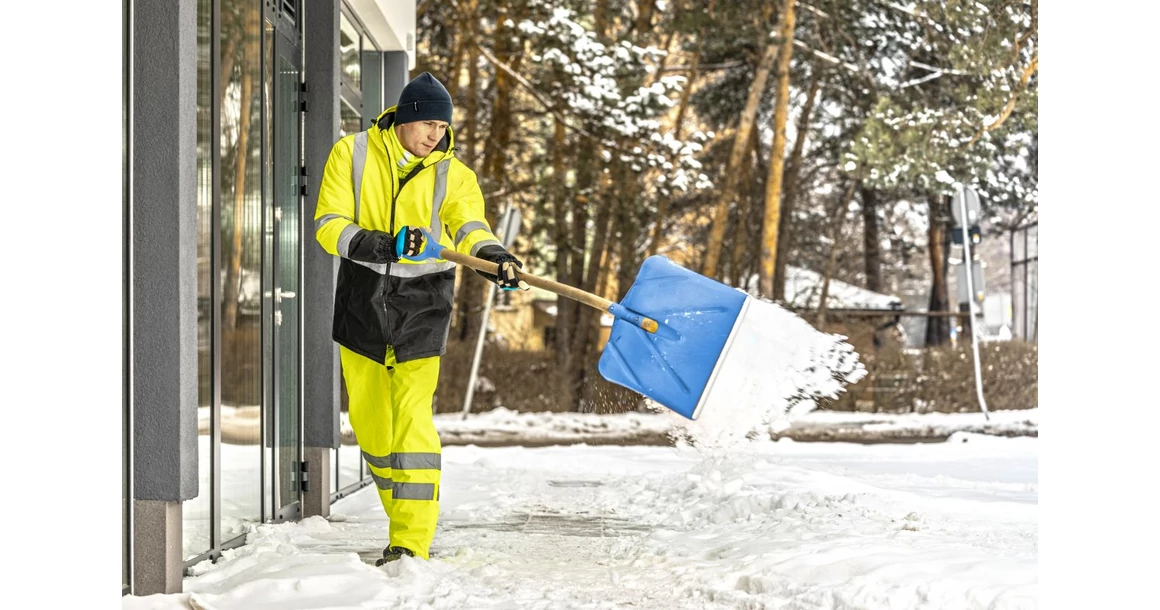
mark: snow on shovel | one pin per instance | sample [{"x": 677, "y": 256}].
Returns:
[{"x": 690, "y": 343}]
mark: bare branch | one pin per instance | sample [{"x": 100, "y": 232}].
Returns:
[
  {"x": 548, "y": 105},
  {"x": 919, "y": 64},
  {"x": 722, "y": 66},
  {"x": 919, "y": 81},
  {"x": 827, "y": 57},
  {"x": 817, "y": 11}
]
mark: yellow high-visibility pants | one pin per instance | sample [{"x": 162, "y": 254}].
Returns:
[{"x": 391, "y": 414}]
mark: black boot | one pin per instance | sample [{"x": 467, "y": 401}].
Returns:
[{"x": 392, "y": 553}]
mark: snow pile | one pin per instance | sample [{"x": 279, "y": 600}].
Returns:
[
  {"x": 501, "y": 425},
  {"x": 776, "y": 364}
]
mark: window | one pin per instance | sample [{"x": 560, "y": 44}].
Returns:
[
  {"x": 350, "y": 47},
  {"x": 350, "y": 121}
]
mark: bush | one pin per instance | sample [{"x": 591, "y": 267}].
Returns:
[
  {"x": 521, "y": 381},
  {"x": 942, "y": 379},
  {"x": 899, "y": 380}
]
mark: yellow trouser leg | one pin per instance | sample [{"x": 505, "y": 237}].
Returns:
[{"x": 390, "y": 412}]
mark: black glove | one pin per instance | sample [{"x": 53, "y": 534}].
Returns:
[
  {"x": 509, "y": 278},
  {"x": 409, "y": 242},
  {"x": 370, "y": 246}
]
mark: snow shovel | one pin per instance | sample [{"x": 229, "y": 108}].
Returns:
[{"x": 671, "y": 334}]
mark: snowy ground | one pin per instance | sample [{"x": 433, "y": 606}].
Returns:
[
  {"x": 501, "y": 426},
  {"x": 770, "y": 525}
]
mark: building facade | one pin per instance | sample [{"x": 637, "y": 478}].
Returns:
[{"x": 233, "y": 400}]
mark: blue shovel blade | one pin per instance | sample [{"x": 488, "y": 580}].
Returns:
[{"x": 696, "y": 316}]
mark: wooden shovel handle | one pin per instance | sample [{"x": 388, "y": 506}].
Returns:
[{"x": 563, "y": 290}]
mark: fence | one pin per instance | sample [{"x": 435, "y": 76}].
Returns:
[{"x": 1025, "y": 281}]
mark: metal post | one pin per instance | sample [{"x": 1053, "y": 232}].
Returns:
[
  {"x": 969, "y": 262},
  {"x": 509, "y": 223},
  {"x": 478, "y": 352}
]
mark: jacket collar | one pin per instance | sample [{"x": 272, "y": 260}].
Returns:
[{"x": 445, "y": 149}]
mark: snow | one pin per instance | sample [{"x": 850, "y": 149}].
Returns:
[
  {"x": 504, "y": 426},
  {"x": 767, "y": 524},
  {"x": 803, "y": 289},
  {"x": 711, "y": 513}
]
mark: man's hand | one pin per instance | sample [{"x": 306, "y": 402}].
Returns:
[
  {"x": 409, "y": 242},
  {"x": 380, "y": 247},
  {"x": 509, "y": 277},
  {"x": 370, "y": 246}
]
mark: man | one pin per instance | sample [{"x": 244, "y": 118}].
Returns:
[{"x": 385, "y": 192}]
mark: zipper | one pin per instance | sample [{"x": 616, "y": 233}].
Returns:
[
  {"x": 389, "y": 330},
  {"x": 402, "y": 183}
]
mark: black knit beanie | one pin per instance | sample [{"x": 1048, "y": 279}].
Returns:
[{"x": 424, "y": 99}]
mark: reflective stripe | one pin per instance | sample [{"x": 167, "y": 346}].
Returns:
[
  {"x": 377, "y": 461},
  {"x": 420, "y": 269},
  {"x": 439, "y": 195},
  {"x": 467, "y": 228},
  {"x": 383, "y": 483},
  {"x": 344, "y": 239},
  {"x": 401, "y": 270},
  {"x": 414, "y": 491},
  {"x": 327, "y": 218},
  {"x": 358, "y": 162},
  {"x": 416, "y": 461},
  {"x": 379, "y": 268},
  {"x": 486, "y": 242}
]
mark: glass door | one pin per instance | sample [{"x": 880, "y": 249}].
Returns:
[{"x": 285, "y": 327}]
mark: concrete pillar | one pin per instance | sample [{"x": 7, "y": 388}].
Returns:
[
  {"x": 316, "y": 499},
  {"x": 163, "y": 273},
  {"x": 321, "y": 374},
  {"x": 157, "y": 535}
]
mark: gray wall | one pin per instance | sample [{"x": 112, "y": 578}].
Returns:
[
  {"x": 321, "y": 373},
  {"x": 372, "y": 87},
  {"x": 164, "y": 250},
  {"x": 395, "y": 77}
]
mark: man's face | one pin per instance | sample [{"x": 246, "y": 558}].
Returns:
[{"x": 420, "y": 137}]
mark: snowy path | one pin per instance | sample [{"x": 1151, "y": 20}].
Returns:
[{"x": 786, "y": 525}]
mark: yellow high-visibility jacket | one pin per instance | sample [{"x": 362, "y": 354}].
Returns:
[{"x": 407, "y": 304}]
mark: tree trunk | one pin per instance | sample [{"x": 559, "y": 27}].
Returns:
[
  {"x": 455, "y": 65},
  {"x": 678, "y": 127},
  {"x": 565, "y": 392},
  {"x": 937, "y": 327},
  {"x": 472, "y": 288},
  {"x": 772, "y": 219},
  {"x": 644, "y": 12},
  {"x": 499, "y": 135},
  {"x": 838, "y": 218},
  {"x": 232, "y": 286},
  {"x": 728, "y": 192},
  {"x": 470, "y": 107},
  {"x": 667, "y": 45},
  {"x": 742, "y": 252},
  {"x": 792, "y": 182},
  {"x": 870, "y": 240}
]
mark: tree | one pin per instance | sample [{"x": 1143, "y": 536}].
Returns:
[{"x": 772, "y": 218}]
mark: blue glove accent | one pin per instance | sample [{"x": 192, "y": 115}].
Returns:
[
  {"x": 431, "y": 246},
  {"x": 399, "y": 239}
]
